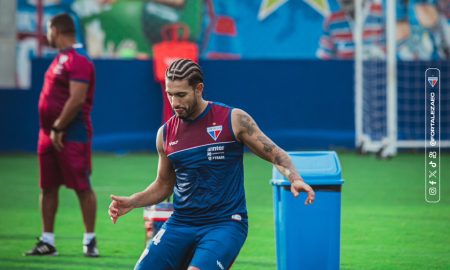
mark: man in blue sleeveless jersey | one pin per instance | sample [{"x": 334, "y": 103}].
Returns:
[{"x": 201, "y": 162}]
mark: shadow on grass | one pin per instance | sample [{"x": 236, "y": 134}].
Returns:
[
  {"x": 65, "y": 262},
  {"x": 256, "y": 263},
  {"x": 18, "y": 237}
]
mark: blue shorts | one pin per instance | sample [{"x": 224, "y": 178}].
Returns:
[{"x": 207, "y": 247}]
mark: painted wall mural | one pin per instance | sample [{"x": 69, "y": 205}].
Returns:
[{"x": 233, "y": 29}]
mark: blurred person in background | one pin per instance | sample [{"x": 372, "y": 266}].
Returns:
[
  {"x": 338, "y": 40},
  {"x": 423, "y": 30},
  {"x": 31, "y": 40},
  {"x": 64, "y": 145}
]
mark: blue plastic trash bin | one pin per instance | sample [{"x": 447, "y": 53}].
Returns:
[{"x": 308, "y": 237}]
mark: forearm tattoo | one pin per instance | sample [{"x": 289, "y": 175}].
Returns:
[
  {"x": 285, "y": 166},
  {"x": 246, "y": 122},
  {"x": 278, "y": 156},
  {"x": 268, "y": 145},
  {"x": 279, "y": 159}
]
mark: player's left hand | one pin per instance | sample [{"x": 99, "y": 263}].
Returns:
[
  {"x": 57, "y": 140},
  {"x": 298, "y": 186}
]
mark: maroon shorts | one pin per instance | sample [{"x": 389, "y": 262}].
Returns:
[{"x": 70, "y": 167}]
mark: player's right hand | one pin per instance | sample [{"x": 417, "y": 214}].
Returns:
[
  {"x": 57, "y": 140},
  {"x": 298, "y": 186},
  {"x": 119, "y": 207}
]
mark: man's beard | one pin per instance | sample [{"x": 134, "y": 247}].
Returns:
[{"x": 190, "y": 111}]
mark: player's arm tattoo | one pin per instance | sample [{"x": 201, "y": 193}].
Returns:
[
  {"x": 269, "y": 151},
  {"x": 247, "y": 123},
  {"x": 249, "y": 127},
  {"x": 268, "y": 145},
  {"x": 285, "y": 166},
  {"x": 279, "y": 158}
]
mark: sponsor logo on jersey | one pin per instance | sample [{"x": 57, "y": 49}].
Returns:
[
  {"x": 216, "y": 152},
  {"x": 214, "y": 131},
  {"x": 173, "y": 143}
]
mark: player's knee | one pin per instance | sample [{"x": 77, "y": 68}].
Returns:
[
  {"x": 85, "y": 192},
  {"x": 50, "y": 191}
]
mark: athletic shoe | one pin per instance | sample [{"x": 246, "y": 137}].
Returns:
[
  {"x": 90, "y": 250},
  {"x": 42, "y": 249}
]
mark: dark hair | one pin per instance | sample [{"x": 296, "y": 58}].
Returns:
[
  {"x": 182, "y": 69},
  {"x": 64, "y": 23}
]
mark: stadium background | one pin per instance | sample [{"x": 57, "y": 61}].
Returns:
[{"x": 300, "y": 101}]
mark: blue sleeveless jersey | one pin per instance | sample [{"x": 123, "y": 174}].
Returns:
[{"x": 208, "y": 162}]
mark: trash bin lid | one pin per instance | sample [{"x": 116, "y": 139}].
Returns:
[{"x": 317, "y": 168}]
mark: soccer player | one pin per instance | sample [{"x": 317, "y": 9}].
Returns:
[
  {"x": 337, "y": 41},
  {"x": 201, "y": 162},
  {"x": 64, "y": 145}
]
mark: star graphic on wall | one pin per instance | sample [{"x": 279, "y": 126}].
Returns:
[
  {"x": 320, "y": 6},
  {"x": 268, "y": 7}
]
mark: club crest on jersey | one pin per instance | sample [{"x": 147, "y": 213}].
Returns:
[
  {"x": 63, "y": 59},
  {"x": 432, "y": 81},
  {"x": 59, "y": 67},
  {"x": 214, "y": 131}
]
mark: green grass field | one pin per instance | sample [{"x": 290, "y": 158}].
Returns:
[{"x": 386, "y": 223}]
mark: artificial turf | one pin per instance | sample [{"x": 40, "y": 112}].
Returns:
[{"x": 386, "y": 223}]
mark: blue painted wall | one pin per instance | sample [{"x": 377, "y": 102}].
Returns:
[{"x": 300, "y": 104}]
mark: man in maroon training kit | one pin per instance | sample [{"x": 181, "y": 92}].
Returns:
[{"x": 64, "y": 146}]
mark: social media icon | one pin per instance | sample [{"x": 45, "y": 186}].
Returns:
[
  {"x": 432, "y": 174},
  {"x": 432, "y": 191},
  {"x": 432, "y": 154}
]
